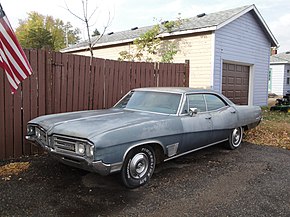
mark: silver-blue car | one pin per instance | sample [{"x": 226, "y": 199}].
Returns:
[{"x": 147, "y": 126}]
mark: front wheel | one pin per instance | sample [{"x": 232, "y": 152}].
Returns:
[
  {"x": 235, "y": 138},
  {"x": 138, "y": 167}
]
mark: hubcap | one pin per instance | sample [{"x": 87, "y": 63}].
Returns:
[
  {"x": 236, "y": 136},
  {"x": 139, "y": 165}
]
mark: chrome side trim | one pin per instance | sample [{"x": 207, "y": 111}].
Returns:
[
  {"x": 172, "y": 149},
  {"x": 140, "y": 144},
  {"x": 116, "y": 167},
  {"x": 179, "y": 155},
  {"x": 105, "y": 169}
]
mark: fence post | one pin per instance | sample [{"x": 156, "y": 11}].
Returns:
[{"x": 186, "y": 80}]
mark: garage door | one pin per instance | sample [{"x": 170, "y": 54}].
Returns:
[{"x": 235, "y": 84}]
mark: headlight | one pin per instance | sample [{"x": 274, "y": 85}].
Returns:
[
  {"x": 37, "y": 133},
  {"x": 90, "y": 151},
  {"x": 30, "y": 130},
  {"x": 81, "y": 148}
]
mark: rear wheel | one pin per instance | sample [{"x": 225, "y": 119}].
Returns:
[
  {"x": 138, "y": 167},
  {"x": 235, "y": 138}
]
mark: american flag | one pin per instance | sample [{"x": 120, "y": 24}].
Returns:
[{"x": 12, "y": 57}]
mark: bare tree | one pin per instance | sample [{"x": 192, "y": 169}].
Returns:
[{"x": 86, "y": 18}]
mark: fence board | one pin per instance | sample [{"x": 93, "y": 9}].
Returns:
[
  {"x": 101, "y": 84},
  {"x": 171, "y": 72},
  {"x": 163, "y": 79},
  {"x": 57, "y": 82},
  {"x": 87, "y": 83},
  {"x": 143, "y": 72},
  {"x": 8, "y": 122},
  {"x": 186, "y": 75},
  {"x": 34, "y": 90},
  {"x": 138, "y": 75},
  {"x": 133, "y": 75},
  {"x": 110, "y": 83},
  {"x": 152, "y": 82},
  {"x": 70, "y": 79},
  {"x": 2, "y": 114},
  {"x": 82, "y": 83},
  {"x": 126, "y": 77},
  {"x": 48, "y": 82},
  {"x": 181, "y": 73},
  {"x": 41, "y": 81},
  {"x": 63, "y": 82},
  {"x": 76, "y": 82},
  {"x": 92, "y": 74},
  {"x": 26, "y": 108},
  {"x": 116, "y": 81},
  {"x": 64, "y": 75},
  {"x": 17, "y": 124},
  {"x": 34, "y": 84}
]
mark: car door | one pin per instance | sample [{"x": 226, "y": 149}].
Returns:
[
  {"x": 223, "y": 116},
  {"x": 198, "y": 127}
]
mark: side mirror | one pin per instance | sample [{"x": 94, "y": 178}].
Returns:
[{"x": 192, "y": 111}]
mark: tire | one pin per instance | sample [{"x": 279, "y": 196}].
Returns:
[
  {"x": 235, "y": 138},
  {"x": 138, "y": 167}
]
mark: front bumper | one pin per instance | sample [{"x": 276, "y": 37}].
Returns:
[{"x": 80, "y": 161}]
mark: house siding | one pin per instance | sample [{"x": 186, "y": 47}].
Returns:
[
  {"x": 286, "y": 86},
  {"x": 278, "y": 79},
  {"x": 244, "y": 42},
  {"x": 197, "y": 49},
  {"x": 111, "y": 53}
]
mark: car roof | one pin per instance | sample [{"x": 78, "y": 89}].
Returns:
[{"x": 180, "y": 90}]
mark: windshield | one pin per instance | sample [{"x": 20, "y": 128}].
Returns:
[{"x": 151, "y": 101}]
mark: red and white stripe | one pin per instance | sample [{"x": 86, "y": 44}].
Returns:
[{"x": 12, "y": 57}]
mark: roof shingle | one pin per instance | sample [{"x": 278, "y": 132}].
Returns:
[
  {"x": 193, "y": 23},
  {"x": 280, "y": 58}
]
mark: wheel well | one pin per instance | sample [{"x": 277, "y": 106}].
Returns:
[
  {"x": 245, "y": 128},
  {"x": 159, "y": 153},
  {"x": 158, "y": 150}
]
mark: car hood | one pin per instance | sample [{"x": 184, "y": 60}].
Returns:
[{"x": 87, "y": 124}]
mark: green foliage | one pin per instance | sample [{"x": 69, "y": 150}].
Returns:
[
  {"x": 168, "y": 50},
  {"x": 40, "y": 38},
  {"x": 149, "y": 45},
  {"x": 38, "y": 31},
  {"x": 96, "y": 33}
]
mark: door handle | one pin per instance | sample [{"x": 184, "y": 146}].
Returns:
[
  {"x": 208, "y": 118},
  {"x": 233, "y": 112}
]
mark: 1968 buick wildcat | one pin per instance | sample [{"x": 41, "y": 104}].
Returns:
[{"x": 147, "y": 126}]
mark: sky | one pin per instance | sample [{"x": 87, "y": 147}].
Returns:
[{"x": 126, "y": 14}]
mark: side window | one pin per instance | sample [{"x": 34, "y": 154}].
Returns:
[
  {"x": 197, "y": 101},
  {"x": 213, "y": 102}
]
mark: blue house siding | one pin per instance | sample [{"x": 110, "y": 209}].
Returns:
[{"x": 244, "y": 42}]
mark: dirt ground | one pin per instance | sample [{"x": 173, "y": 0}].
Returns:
[{"x": 250, "y": 181}]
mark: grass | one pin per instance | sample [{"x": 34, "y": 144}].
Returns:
[{"x": 274, "y": 130}]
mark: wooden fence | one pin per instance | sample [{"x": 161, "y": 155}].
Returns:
[{"x": 64, "y": 82}]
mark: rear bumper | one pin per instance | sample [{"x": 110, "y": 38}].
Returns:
[{"x": 253, "y": 125}]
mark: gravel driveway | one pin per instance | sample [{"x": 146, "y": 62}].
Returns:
[{"x": 250, "y": 181}]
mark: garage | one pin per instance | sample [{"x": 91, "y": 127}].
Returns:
[{"x": 235, "y": 83}]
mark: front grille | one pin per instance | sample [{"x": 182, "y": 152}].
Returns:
[{"x": 65, "y": 144}]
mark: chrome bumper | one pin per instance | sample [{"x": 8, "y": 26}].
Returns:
[{"x": 79, "y": 161}]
